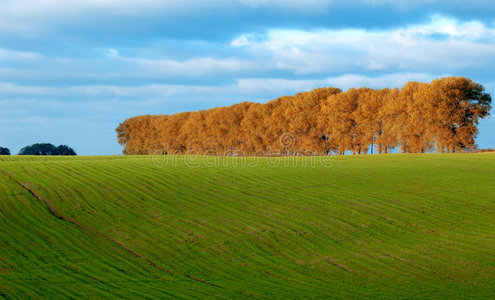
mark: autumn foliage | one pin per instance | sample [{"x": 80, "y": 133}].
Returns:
[{"x": 439, "y": 116}]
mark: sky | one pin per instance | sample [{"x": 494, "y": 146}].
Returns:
[{"x": 71, "y": 71}]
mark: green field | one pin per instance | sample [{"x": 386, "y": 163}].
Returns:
[{"x": 388, "y": 226}]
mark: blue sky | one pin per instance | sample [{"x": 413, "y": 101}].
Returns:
[{"x": 71, "y": 71}]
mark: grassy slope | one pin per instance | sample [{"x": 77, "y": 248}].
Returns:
[{"x": 387, "y": 226}]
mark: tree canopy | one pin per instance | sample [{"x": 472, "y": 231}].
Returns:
[
  {"x": 4, "y": 151},
  {"x": 442, "y": 115},
  {"x": 47, "y": 149}
]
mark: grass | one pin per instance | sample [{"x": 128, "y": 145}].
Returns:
[{"x": 382, "y": 226}]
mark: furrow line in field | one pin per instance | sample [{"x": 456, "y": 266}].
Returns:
[{"x": 48, "y": 204}]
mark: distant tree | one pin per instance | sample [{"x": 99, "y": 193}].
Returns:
[
  {"x": 304, "y": 119},
  {"x": 459, "y": 104},
  {"x": 414, "y": 118},
  {"x": 65, "y": 150},
  {"x": 39, "y": 149},
  {"x": 47, "y": 149},
  {"x": 254, "y": 127},
  {"x": 193, "y": 131},
  {"x": 4, "y": 151},
  {"x": 340, "y": 126}
]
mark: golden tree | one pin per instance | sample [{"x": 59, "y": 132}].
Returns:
[{"x": 442, "y": 115}]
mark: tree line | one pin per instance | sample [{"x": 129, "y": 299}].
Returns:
[
  {"x": 42, "y": 149},
  {"x": 439, "y": 116},
  {"x": 47, "y": 149}
]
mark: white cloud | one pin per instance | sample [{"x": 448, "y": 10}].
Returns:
[
  {"x": 243, "y": 40},
  {"x": 192, "y": 67},
  {"x": 25, "y": 8},
  {"x": 278, "y": 86},
  {"x": 302, "y": 6},
  {"x": 18, "y": 55},
  {"x": 152, "y": 90},
  {"x": 243, "y": 87},
  {"x": 442, "y": 44},
  {"x": 112, "y": 53},
  {"x": 33, "y": 16},
  {"x": 9, "y": 88},
  {"x": 112, "y": 65},
  {"x": 109, "y": 91}
]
